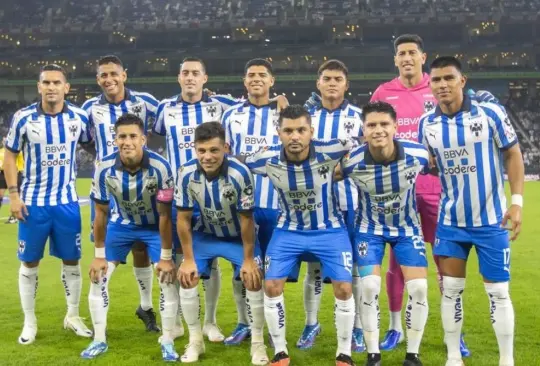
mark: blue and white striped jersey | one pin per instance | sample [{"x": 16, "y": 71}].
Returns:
[
  {"x": 387, "y": 204},
  {"x": 306, "y": 189},
  {"x": 49, "y": 145},
  {"x": 134, "y": 194},
  {"x": 342, "y": 123},
  {"x": 247, "y": 129},
  {"x": 177, "y": 120},
  {"x": 468, "y": 150},
  {"x": 220, "y": 199},
  {"x": 103, "y": 116}
]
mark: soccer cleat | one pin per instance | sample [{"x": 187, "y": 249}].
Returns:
[
  {"x": 28, "y": 335},
  {"x": 463, "y": 348},
  {"x": 12, "y": 220},
  {"x": 169, "y": 353},
  {"x": 148, "y": 317},
  {"x": 391, "y": 339},
  {"x": 75, "y": 323},
  {"x": 373, "y": 359},
  {"x": 94, "y": 349},
  {"x": 307, "y": 339},
  {"x": 280, "y": 359},
  {"x": 177, "y": 332},
  {"x": 213, "y": 333},
  {"x": 357, "y": 344},
  {"x": 193, "y": 351},
  {"x": 451, "y": 362},
  {"x": 344, "y": 360},
  {"x": 258, "y": 354},
  {"x": 239, "y": 334},
  {"x": 412, "y": 359}
]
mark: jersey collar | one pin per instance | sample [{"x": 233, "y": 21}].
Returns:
[
  {"x": 145, "y": 164},
  {"x": 342, "y": 107},
  {"x": 40, "y": 110},
  {"x": 272, "y": 105},
  {"x": 205, "y": 98},
  {"x": 127, "y": 96},
  {"x": 465, "y": 107},
  {"x": 368, "y": 158},
  {"x": 283, "y": 157},
  {"x": 223, "y": 169}
]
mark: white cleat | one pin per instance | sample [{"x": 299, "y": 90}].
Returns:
[
  {"x": 75, "y": 323},
  {"x": 177, "y": 332},
  {"x": 213, "y": 333},
  {"x": 28, "y": 335},
  {"x": 193, "y": 351},
  {"x": 258, "y": 354},
  {"x": 454, "y": 362}
]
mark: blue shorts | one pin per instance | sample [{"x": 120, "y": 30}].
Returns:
[
  {"x": 369, "y": 249},
  {"x": 120, "y": 238},
  {"x": 60, "y": 224},
  {"x": 492, "y": 247},
  {"x": 207, "y": 247},
  {"x": 93, "y": 216},
  {"x": 330, "y": 247},
  {"x": 266, "y": 220},
  {"x": 350, "y": 217}
]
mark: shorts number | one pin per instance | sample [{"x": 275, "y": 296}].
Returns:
[
  {"x": 78, "y": 242},
  {"x": 506, "y": 259},
  {"x": 418, "y": 243},
  {"x": 347, "y": 260}
]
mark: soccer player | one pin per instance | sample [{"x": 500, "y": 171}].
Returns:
[
  {"x": 333, "y": 118},
  {"x": 103, "y": 111},
  {"x": 385, "y": 170},
  {"x": 136, "y": 179},
  {"x": 470, "y": 142},
  {"x": 47, "y": 208},
  {"x": 301, "y": 170},
  {"x": 248, "y": 127},
  {"x": 223, "y": 189}
]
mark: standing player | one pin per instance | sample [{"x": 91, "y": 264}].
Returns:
[
  {"x": 135, "y": 178},
  {"x": 301, "y": 170},
  {"x": 103, "y": 112},
  {"x": 47, "y": 208},
  {"x": 334, "y": 118},
  {"x": 385, "y": 170},
  {"x": 470, "y": 143}
]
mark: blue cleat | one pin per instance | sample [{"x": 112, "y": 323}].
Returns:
[
  {"x": 357, "y": 344},
  {"x": 391, "y": 339},
  {"x": 307, "y": 339},
  {"x": 169, "y": 353},
  {"x": 463, "y": 348},
  {"x": 94, "y": 349},
  {"x": 239, "y": 334}
]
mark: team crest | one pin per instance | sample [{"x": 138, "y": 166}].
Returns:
[
  {"x": 151, "y": 186},
  {"x": 509, "y": 131},
  {"x": 169, "y": 183},
  {"x": 266, "y": 263},
  {"x": 348, "y": 125},
  {"x": 428, "y": 105},
  {"x": 73, "y": 129},
  {"x": 229, "y": 193},
  {"x": 22, "y": 246},
  {"x": 248, "y": 191},
  {"x": 410, "y": 176},
  {"x": 137, "y": 110},
  {"x": 363, "y": 249},
  {"x": 323, "y": 171},
  {"x": 476, "y": 128},
  {"x": 211, "y": 110}
]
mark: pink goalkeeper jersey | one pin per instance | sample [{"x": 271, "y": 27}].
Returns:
[{"x": 410, "y": 105}]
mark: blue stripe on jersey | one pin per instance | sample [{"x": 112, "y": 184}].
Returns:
[
  {"x": 460, "y": 130},
  {"x": 444, "y": 184},
  {"x": 480, "y": 179},
  {"x": 495, "y": 184},
  {"x": 233, "y": 208},
  {"x": 394, "y": 178},
  {"x": 62, "y": 134},
  {"x": 102, "y": 140},
  {"x": 138, "y": 188},
  {"x": 335, "y": 126},
  {"x": 71, "y": 192},
  {"x": 379, "y": 189},
  {"x": 151, "y": 172},
  {"x": 308, "y": 176},
  {"x": 291, "y": 176},
  {"x": 173, "y": 150},
  {"x": 264, "y": 121},
  {"x": 467, "y": 203},
  {"x": 125, "y": 194},
  {"x": 322, "y": 123},
  {"x": 251, "y": 121},
  {"x": 208, "y": 204},
  {"x": 324, "y": 200},
  {"x": 102, "y": 189},
  {"x": 446, "y": 132},
  {"x": 50, "y": 170},
  {"x": 287, "y": 211},
  {"x": 112, "y": 114}
]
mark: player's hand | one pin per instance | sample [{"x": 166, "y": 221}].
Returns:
[
  {"x": 18, "y": 208},
  {"x": 98, "y": 269},
  {"x": 282, "y": 102},
  {"x": 251, "y": 274},
  {"x": 514, "y": 215},
  {"x": 165, "y": 271},
  {"x": 208, "y": 92},
  {"x": 188, "y": 274}
]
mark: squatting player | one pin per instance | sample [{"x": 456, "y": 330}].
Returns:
[
  {"x": 470, "y": 142},
  {"x": 47, "y": 207}
]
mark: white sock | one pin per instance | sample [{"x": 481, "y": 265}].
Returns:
[
  {"x": 71, "y": 278},
  {"x": 502, "y": 318},
  {"x": 312, "y": 292},
  {"x": 371, "y": 287},
  {"x": 179, "y": 259},
  {"x": 274, "y": 313},
  {"x": 239, "y": 292},
  {"x": 344, "y": 313},
  {"x": 191, "y": 308},
  {"x": 168, "y": 306},
  {"x": 452, "y": 314},
  {"x": 212, "y": 287},
  {"x": 357, "y": 293},
  {"x": 255, "y": 311},
  {"x": 98, "y": 301},
  {"x": 144, "y": 276},
  {"x": 416, "y": 313},
  {"x": 395, "y": 321},
  {"x": 28, "y": 283}
]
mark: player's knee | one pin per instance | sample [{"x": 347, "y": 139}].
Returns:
[
  {"x": 453, "y": 286},
  {"x": 30, "y": 264},
  {"x": 342, "y": 290},
  {"x": 70, "y": 263},
  {"x": 188, "y": 294},
  {"x": 273, "y": 288},
  {"x": 254, "y": 288},
  {"x": 498, "y": 292},
  {"x": 371, "y": 286},
  {"x": 417, "y": 288}
]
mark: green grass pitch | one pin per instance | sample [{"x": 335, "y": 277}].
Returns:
[{"x": 129, "y": 344}]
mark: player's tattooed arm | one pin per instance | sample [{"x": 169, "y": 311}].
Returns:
[
  {"x": 187, "y": 273},
  {"x": 513, "y": 162},
  {"x": 250, "y": 272}
]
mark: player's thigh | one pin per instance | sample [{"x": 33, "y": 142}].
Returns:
[
  {"x": 206, "y": 248},
  {"x": 33, "y": 233},
  {"x": 266, "y": 220},
  {"x": 453, "y": 246},
  {"x": 333, "y": 249},
  {"x": 283, "y": 253},
  {"x": 428, "y": 207},
  {"x": 148, "y": 245},
  {"x": 493, "y": 249},
  {"x": 66, "y": 231},
  {"x": 119, "y": 240},
  {"x": 410, "y": 251}
]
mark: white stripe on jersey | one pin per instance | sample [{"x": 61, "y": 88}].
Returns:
[
  {"x": 103, "y": 116},
  {"x": 49, "y": 144},
  {"x": 135, "y": 195},
  {"x": 342, "y": 123},
  {"x": 387, "y": 192},
  {"x": 247, "y": 129},
  {"x": 468, "y": 150},
  {"x": 306, "y": 190}
]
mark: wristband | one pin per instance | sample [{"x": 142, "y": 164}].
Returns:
[
  {"x": 166, "y": 254},
  {"x": 13, "y": 189},
  {"x": 99, "y": 252},
  {"x": 517, "y": 199}
]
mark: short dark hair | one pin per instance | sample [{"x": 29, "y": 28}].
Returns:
[
  {"x": 110, "y": 59},
  {"x": 54, "y": 67},
  {"x": 194, "y": 59},
  {"x": 409, "y": 38},
  {"x": 334, "y": 65},
  {"x": 208, "y": 131},
  {"x": 129, "y": 119},
  {"x": 259, "y": 62},
  {"x": 445, "y": 61},
  {"x": 294, "y": 111},
  {"x": 379, "y": 107}
]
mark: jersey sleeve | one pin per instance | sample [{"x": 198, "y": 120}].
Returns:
[
  {"x": 85, "y": 136},
  {"x": 17, "y": 133},
  {"x": 503, "y": 132},
  {"x": 166, "y": 187},
  {"x": 159, "y": 123},
  {"x": 87, "y": 107},
  {"x": 99, "y": 191},
  {"x": 335, "y": 149},
  {"x": 151, "y": 104},
  {"x": 227, "y": 100},
  {"x": 182, "y": 192},
  {"x": 349, "y": 161},
  {"x": 246, "y": 192},
  {"x": 226, "y": 124},
  {"x": 257, "y": 162},
  {"x": 421, "y": 131}
]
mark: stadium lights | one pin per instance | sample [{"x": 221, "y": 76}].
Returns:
[{"x": 294, "y": 94}]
